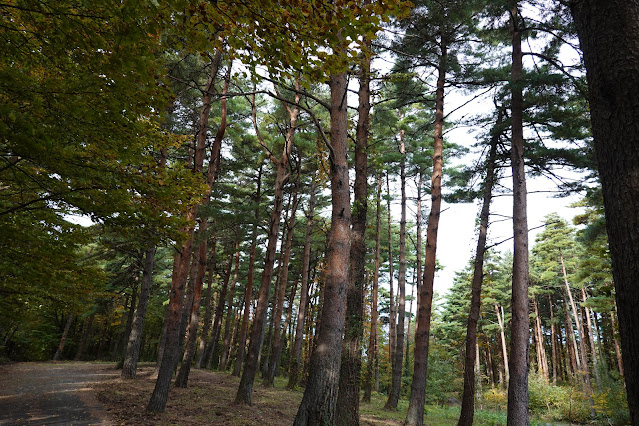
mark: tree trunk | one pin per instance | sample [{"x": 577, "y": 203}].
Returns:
[
  {"x": 248, "y": 295},
  {"x": 517, "y": 413},
  {"x": 277, "y": 356},
  {"x": 86, "y": 334},
  {"x": 575, "y": 361},
  {"x": 347, "y": 411},
  {"x": 593, "y": 349},
  {"x": 468, "y": 395},
  {"x": 318, "y": 403},
  {"x": 504, "y": 351},
  {"x": 130, "y": 365},
  {"x": 391, "y": 303},
  {"x": 245, "y": 389},
  {"x": 63, "y": 339},
  {"x": 199, "y": 261},
  {"x": 553, "y": 341},
  {"x": 237, "y": 315},
  {"x": 226, "y": 346},
  {"x": 129, "y": 319},
  {"x": 206, "y": 322},
  {"x": 398, "y": 353},
  {"x": 265, "y": 355},
  {"x": 296, "y": 352},
  {"x": 183, "y": 256},
  {"x": 616, "y": 343},
  {"x": 219, "y": 314},
  {"x": 415, "y": 414},
  {"x": 609, "y": 36},
  {"x": 410, "y": 316},
  {"x": 372, "y": 363},
  {"x": 542, "y": 360},
  {"x": 276, "y": 351},
  {"x": 582, "y": 345}
]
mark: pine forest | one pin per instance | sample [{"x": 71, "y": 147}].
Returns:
[{"x": 254, "y": 190}]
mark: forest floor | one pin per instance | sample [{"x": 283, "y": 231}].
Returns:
[
  {"x": 84, "y": 393},
  {"x": 208, "y": 400}
]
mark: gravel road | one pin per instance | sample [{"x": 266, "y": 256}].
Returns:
[{"x": 52, "y": 393}]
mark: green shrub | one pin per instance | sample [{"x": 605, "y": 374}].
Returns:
[
  {"x": 611, "y": 404},
  {"x": 559, "y": 403},
  {"x": 495, "y": 399}
]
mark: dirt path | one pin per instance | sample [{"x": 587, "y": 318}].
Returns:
[{"x": 53, "y": 393}]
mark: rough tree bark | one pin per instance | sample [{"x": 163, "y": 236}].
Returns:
[
  {"x": 318, "y": 403},
  {"x": 415, "y": 414},
  {"x": 517, "y": 412},
  {"x": 347, "y": 411},
  {"x": 609, "y": 36}
]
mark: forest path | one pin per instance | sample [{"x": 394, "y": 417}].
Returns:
[{"x": 53, "y": 393}]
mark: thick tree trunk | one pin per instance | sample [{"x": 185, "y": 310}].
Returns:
[
  {"x": 398, "y": 353},
  {"x": 63, "y": 338},
  {"x": 318, "y": 403},
  {"x": 468, "y": 395},
  {"x": 129, "y": 368},
  {"x": 347, "y": 411},
  {"x": 609, "y": 36},
  {"x": 296, "y": 352},
  {"x": 372, "y": 363},
  {"x": 248, "y": 295},
  {"x": 415, "y": 415},
  {"x": 517, "y": 413}
]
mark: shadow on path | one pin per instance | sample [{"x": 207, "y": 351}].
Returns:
[{"x": 52, "y": 393}]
